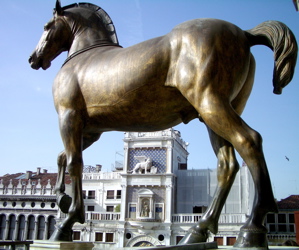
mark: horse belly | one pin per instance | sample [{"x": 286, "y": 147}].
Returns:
[{"x": 141, "y": 112}]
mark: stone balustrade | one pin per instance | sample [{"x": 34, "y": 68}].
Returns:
[
  {"x": 224, "y": 218},
  {"x": 101, "y": 176}
]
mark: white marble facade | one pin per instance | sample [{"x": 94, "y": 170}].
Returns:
[{"x": 153, "y": 205}]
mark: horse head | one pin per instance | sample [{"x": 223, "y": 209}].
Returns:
[
  {"x": 54, "y": 40},
  {"x": 73, "y": 28}
]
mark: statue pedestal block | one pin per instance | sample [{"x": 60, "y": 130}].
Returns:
[
  {"x": 196, "y": 246},
  {"x": 63, "y": 245}
]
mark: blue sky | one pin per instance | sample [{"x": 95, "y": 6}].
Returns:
[{"x": 29, "y": 126}]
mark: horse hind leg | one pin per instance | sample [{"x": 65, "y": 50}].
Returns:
[
  {"x": 227, "y": 169},
  {"x": 248, "y": 143}
]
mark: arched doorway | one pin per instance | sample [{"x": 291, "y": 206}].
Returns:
[
  {"x": 40, "y": 227},
  {"x": 21, "y": 227},
  {"x": 2, "y": 226},
  {"x": 31, "y": 222},
  {"x": 51, "y": 226},
  {"x": 11, "y": 227}
]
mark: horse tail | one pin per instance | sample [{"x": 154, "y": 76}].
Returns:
[{"x": 281, "y": 40}]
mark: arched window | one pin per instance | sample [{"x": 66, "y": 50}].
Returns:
[
  {"x": 2, "y": 226},
  {"x": 51, "y": 226},
  {"x": 11, "y": 226},
  {"x": 21, "y": 227},
  {"x": 31, "y": 221},
  {"x": 40, "y": 227}
]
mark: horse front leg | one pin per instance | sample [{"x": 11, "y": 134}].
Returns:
[
  {"x": 71, "y": 133},
  {"x": 227, "y": 168},
  {"x": 62, "y": 199}
]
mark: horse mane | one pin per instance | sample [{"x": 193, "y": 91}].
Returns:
[{"x": 102, "y": 14}]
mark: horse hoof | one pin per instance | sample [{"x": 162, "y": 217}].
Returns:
[
  {"x": 195, "y": 235},
  {"x": 256, "y": 239},
  {"x": 61, "y": 235},
  {"x": 64, "y": 202}
]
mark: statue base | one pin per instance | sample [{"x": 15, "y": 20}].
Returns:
[
  {"x": 196, "y": 246},
  {"x": 252, "y": 240},
  {"x": 63, "y": 245}
]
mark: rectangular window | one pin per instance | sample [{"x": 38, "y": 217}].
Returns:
[
  {"x": 282, "y": 228},
  {"x": 292, "y": 228},
  {"x": 219, "y": 240},
  {"x": 118, "y": 194},
  {"x": 270, "y": 218},
  {"x": 99, "y": 236},
  {"x": 132, "y": 211},
  {"x": 231, "y": 241},
  {"x": 84, "y": 194},
  {"x": 272, "y": 228},
  {"x": 110, "y": 208},
  {"x": 76, "y": 235},
  {"x": 159, "y": 209},
  {"x": 178, "y": 239},
  {"x": 109, "y": 237},
  {"x": 159, "y": 212},
  {"x": 282, "y": 218},
  {"x": 91, "y": 194},
  {"x": 291, "y": 218},
  {"x": 110, "y": 194},
  {"x": 182, "y": 166},
  {"x": 90, "y": 208}
]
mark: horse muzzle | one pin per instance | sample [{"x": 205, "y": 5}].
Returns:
[{"x": 38, "y": 62}]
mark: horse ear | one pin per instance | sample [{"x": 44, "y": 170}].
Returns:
[{"x": 58, "y": 10}]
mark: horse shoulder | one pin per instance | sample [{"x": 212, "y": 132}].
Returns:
[{"x": 66, "y": 90}]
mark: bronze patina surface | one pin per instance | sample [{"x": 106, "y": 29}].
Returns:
[{"x": 203, "y": 69}]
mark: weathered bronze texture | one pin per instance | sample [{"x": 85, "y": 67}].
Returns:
[{"x": 202, "y": 69}]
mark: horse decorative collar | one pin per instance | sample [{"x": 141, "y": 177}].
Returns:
[{"x": 88, "y": 48}]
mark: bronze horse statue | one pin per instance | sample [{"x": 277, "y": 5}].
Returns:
[{"x": 202, "y": 69}]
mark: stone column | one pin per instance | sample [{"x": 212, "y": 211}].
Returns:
[
  {"x": 168, "y": 203},
  {"x": 35, "y": 233},
  {"x": 15, "y": 233},
  {"x": 6, "y": 231},
  {"x": 46, "y": 230},
  {"x": 123, "y": 205},
  {"x": 25, "y": 233},
  {"x": 169, "y": 161}
]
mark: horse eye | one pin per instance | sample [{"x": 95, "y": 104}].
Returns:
[{"x": 46, "y": 26}]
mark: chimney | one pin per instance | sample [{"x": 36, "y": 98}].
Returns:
[
  {"x": 98, "y": 168},
  {"x": 28, "y": 174},
  {"x": 45, "y": 171},
  {"x": 38, "y": 171}
]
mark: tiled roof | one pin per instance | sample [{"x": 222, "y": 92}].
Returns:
[
  {"x": 289, "y": 203},
  {"x": 43, "y": 177}
]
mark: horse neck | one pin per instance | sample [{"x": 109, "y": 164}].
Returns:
[{"x": 87, "y": 38}]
